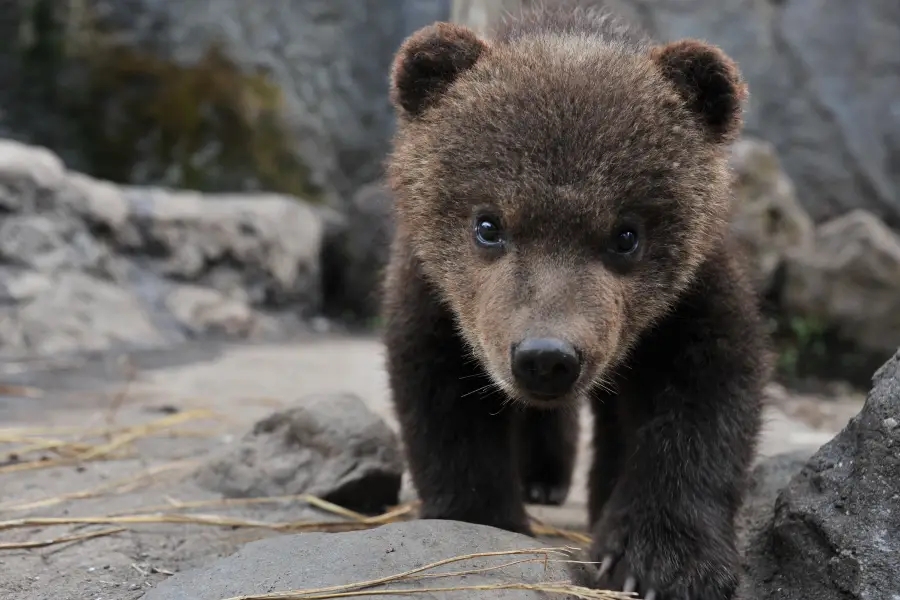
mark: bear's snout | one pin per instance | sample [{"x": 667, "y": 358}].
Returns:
[{"x": 545, "y": 368}]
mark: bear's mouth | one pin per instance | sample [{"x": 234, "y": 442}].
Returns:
[{"x": 548, "y": 401}]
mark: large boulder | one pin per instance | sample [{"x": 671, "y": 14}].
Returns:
[
  {"x": 835, "y": 531},
  {"x": 287, "y": 95},
  {"x": 850, "y": 279},
  {"x": 319, "y": 560},
  {"x": 329, "y": 446},
  {"x": 86, "y": 265}
]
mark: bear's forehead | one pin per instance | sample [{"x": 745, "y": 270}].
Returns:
[
  {"x": 565, "y": 139},
  {"x": 565, "y": 118}
]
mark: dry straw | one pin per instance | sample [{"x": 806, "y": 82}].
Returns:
[
  {"x": 362, "y": 588},
  {"x": 120, "y": 486},
  {"x": 60, "y": 540},
  {"x": 117, "y": 444}
]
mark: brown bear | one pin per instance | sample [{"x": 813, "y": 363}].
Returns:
[{"x": 562, "y": 198}]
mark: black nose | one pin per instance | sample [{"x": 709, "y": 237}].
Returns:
[{"x": 545, "y": 366}]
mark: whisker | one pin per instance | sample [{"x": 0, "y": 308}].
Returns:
[
  {"x": 478, "y": 390},
  {"x": 473, "y": 375}
]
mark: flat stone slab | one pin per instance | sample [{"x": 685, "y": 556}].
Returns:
[{"x": 314, "y": 560}]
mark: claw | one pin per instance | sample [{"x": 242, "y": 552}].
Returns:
[
  {"x": 605, "y": 566},
  {"x": 650, "y": 595},
  {"x": 630, "y": 584}
]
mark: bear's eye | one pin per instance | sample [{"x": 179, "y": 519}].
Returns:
[
  {"x": 625, "y": 241},
  {"x": 488, "y": 231}
]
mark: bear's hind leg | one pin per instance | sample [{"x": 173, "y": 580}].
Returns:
[{"x": 547, "y": 446}]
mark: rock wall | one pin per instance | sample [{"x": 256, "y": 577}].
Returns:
[{"x": 215, "y": 95}]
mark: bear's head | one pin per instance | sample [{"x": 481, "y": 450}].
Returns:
[{"x": 560, "y": 191}]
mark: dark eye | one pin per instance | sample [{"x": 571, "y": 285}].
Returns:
[
  {"x": 488, "y": 231},
  {"x": 625, "y": 241}
]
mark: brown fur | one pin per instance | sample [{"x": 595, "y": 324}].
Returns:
[{"x": 566, "y": 126}]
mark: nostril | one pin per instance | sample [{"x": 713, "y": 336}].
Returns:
[{"x": 561, "y": 368}]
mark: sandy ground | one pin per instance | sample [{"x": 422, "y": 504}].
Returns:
[{"x": 238, "y": 384}]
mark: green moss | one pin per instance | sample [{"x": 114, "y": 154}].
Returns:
[
  {"x": 208, "y": 126},
  {"x": 810, "y": 348}
]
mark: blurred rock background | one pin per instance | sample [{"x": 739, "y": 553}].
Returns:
[
  {"x": 266, "y": 125},
  {"x": 190, "y": 170}
]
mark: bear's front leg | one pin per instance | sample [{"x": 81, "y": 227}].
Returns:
[
  {"x": 455, "y": 426},
  {"x": 667, "y": 530}
]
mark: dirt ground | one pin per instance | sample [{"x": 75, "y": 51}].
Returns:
[{"x": 235, "y": 385}]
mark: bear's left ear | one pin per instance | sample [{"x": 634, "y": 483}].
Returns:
[
  {"x": 428, "y": 63},
  {"x": 710, "y": 83}
]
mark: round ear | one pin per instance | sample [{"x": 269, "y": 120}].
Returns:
[
  {"x": 428, "y": 63},
  {"x": 710, "y": 83}
]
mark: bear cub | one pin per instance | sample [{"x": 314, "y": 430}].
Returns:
[{"x": 562, "y": 198}]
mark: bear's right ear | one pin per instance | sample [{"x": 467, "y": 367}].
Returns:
[
  {"x": 710, "y": 83},
  {"x": 428, "y": 62}
]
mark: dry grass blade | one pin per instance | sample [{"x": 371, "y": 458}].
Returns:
[
  {"x": 229, "y": 502},
  {"x": 21, "y": 391},
  {"x": 559, "y": 588},
  {"x": 175, "y": 518},
  {"x": 136, "y": 520},
  {"x": 146, "y": 430},
  {"x": 61, "y": 446},
  {"x": 395, "y": 514},
  {"x": 543, "y": 552},
  {"x": 120, "y": 486},
  {"x": 61, "y": 540},
  {"x": 53, "y": 462},
  {"x": 542, "y": 528},
  {"x": 78, "y": 451},
  {"x": 16, "y": 434}
]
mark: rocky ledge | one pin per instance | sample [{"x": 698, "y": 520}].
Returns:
[{"x": 88, "y": 266}]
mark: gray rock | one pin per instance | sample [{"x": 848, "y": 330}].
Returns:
[
  {"x": 330, "y": 446},
  {"x": 48, "y": 243},
  {"x": 835, "y": 533},
  {"x": 71, "y": 312},
  {"x": 850, "y": 278},
  {"x": 86, "y": 265},
  {"x": 314, "y": 560},
  {"x": 205, "y": 311},
  {"x": 768, "y": 221},
  {"x": 263, "y": 248},
  {"x": 767, "y": 479},
  {"x": 29, "y": 175}
]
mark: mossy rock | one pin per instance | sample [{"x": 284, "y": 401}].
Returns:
[{"x": 141, "y": 118}]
